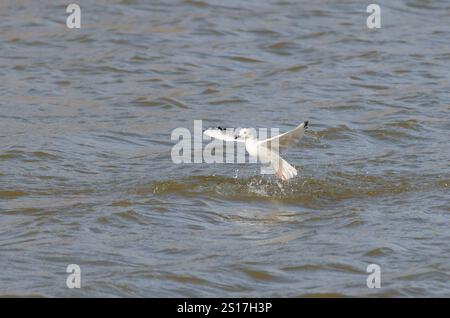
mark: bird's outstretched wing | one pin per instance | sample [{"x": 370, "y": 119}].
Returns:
[
  {"x": 222, "y": 134},
  {"x": 287, "y": 139}
]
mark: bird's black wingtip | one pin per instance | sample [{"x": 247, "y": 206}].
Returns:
[{"x": 306, "y": 124}]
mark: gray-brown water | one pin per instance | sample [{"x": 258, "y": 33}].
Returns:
[{"x": 86, "y": 175}]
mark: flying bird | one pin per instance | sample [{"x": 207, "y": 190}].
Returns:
[{"x": 266, "y": 151}]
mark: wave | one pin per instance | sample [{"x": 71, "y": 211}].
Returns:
[{"x": 331, "y": 188}]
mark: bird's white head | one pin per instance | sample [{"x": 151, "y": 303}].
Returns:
[{"x": 245, "y": 133}]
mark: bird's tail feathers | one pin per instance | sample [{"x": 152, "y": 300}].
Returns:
[{"x": 282, "y": 168}]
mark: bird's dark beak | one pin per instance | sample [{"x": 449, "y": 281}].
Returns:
[{"x": 235, "y": 137}]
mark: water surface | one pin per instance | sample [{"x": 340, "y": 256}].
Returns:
[{"x": 86, "y": 175}]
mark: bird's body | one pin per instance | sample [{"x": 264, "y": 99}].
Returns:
[
  {"x": 251, "y": 146},
  {"x": 266, "y": 151}
]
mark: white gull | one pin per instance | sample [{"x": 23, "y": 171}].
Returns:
[{"x": 266, "y": 151}]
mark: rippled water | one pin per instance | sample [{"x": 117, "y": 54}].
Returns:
[{"x": 86, "y": 175}]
